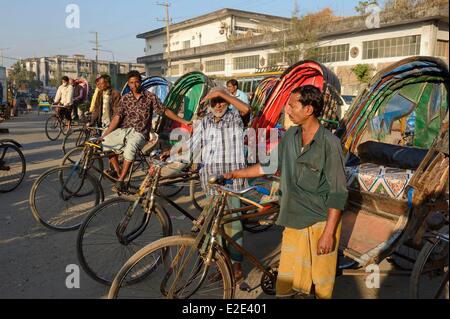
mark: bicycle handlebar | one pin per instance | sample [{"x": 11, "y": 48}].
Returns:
[{"x": 221, "y": 181}]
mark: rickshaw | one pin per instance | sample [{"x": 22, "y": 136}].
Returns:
[{"x": 395, "y": 136}]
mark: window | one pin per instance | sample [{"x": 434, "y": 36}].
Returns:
[
  {"x": 175, "y": 69},
  {"x": 215, "y": 65},
  {"x": 186, "y": 44},
  {"x": 442, "y": 49},
  {"x": 334, "y": 53},
  {"x": 246, "y": 29},
  {"x": 275, "y": 59},
  {"x": 188, "y": 67},
  {"x": 393, "y": 47},
  {"x": 246, "y": 62}
]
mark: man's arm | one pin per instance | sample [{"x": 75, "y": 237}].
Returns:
[
  {"x": 337, "y": 196},
  {"x": 243, "y": 108},
  {"x": 114, "y": 124},
  {"x": 327, "y": 241},
  {"x": 171, "y": 115},
  {"x": 248, "y": 172}
]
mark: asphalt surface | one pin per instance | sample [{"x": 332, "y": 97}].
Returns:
[{"x": 33, "y": 259}]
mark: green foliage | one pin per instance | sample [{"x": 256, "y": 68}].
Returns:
[
  {"x": 23, "y": 78},
  {"x": 363, "y": 72},
  {"x": 362, "y": 6}
]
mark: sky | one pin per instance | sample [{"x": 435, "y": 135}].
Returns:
[{"x": 30, "y": 28}]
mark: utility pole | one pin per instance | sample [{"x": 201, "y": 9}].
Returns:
[
  {"x": 96, "y": 49},
  {"x": 167, "y": 20},
  {"x": 1, "y": 53}
]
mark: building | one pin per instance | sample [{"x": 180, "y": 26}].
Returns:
[
  {"x": 201, "y": 43},
  {"x": 4, "y": 83},
  {"x": 49, "y": 70},
  {"x": 232, "y": 43}
]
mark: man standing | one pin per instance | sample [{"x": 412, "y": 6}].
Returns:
[
  {"x": 64, "y": 97},
  {"x": 233, "y": 89},
  {"x": 313, "y": 195},
  {"x": 135, "y": 120},
  {"x": 218, "y": 143}
]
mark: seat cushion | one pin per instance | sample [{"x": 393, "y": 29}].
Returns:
[{"x": 389, "y": 155}]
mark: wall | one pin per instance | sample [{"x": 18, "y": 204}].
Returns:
[{"x": 155, "y": 45}]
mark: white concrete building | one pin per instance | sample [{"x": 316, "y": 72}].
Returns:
[
  {"x": 231, "y": 43},
  {"x": 50, "y": 69}
]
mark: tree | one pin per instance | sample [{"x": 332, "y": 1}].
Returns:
[
  {"x": 363, "y": 72},
  {"x": 23, "y": 78},
  {"x": 362, "y": 6},
  {"x": 299, "y": 40}
]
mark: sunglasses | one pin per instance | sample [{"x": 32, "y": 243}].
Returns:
[{"x": 216, "y": 101}]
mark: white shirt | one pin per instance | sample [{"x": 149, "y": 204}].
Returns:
[
  {"x": 64, "y": 95},
  {"x": 241, "y": 96},
  {"x": 106, "y": 117}
]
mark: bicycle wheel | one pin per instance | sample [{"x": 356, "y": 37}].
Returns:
[
  {"x": 74, "y": 155},
  {"x": 198, "y": 196},
  {"x": 180, "y": 269},
  {"x": 252, "y": 225},
  {"x": 74, "y": 139},
  {"x": 61, "y": 197},
  {"x": 173, "y": 189},
  {"x": 97, "y": 237},
  {"x": 429, "y": 278},
  {"x": 53, "y": 128},
  {"x": 12, "y": 167}
]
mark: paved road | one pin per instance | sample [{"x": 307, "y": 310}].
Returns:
[{"x": 33, "y": 259}]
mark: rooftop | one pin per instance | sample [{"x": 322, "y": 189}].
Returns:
[{"x": 215, "y": 15}]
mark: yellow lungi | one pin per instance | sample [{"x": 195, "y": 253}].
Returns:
[{"x": 300, "y": 266}]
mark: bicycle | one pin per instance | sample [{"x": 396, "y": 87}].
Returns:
[
  {"x": 61, "y": 197},
  {"x": 120, "y": 223},
  {"x": 12, "y": 165},
  {"x": 56, "y": 124},
  {"x": 77, "y": 138},
  {"x": 430, "y": 275},
  {"x": 196, "y": 265}
]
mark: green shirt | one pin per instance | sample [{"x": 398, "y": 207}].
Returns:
[{"x": 312, "y": 180}]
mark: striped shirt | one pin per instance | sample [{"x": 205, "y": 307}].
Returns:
[{"x": 219, "y": 147}]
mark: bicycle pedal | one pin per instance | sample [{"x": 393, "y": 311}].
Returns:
[{"x": 244, "y": 286}]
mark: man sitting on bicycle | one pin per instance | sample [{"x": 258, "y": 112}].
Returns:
[
  {"x": 135, "y": 120},
  {"x": 64, "y": 97},
  {"x": 106, "y": 104}
]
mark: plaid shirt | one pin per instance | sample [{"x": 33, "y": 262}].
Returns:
[
  {"x": 138, "y": 114},
  {"x": 219, "y": 147}
]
